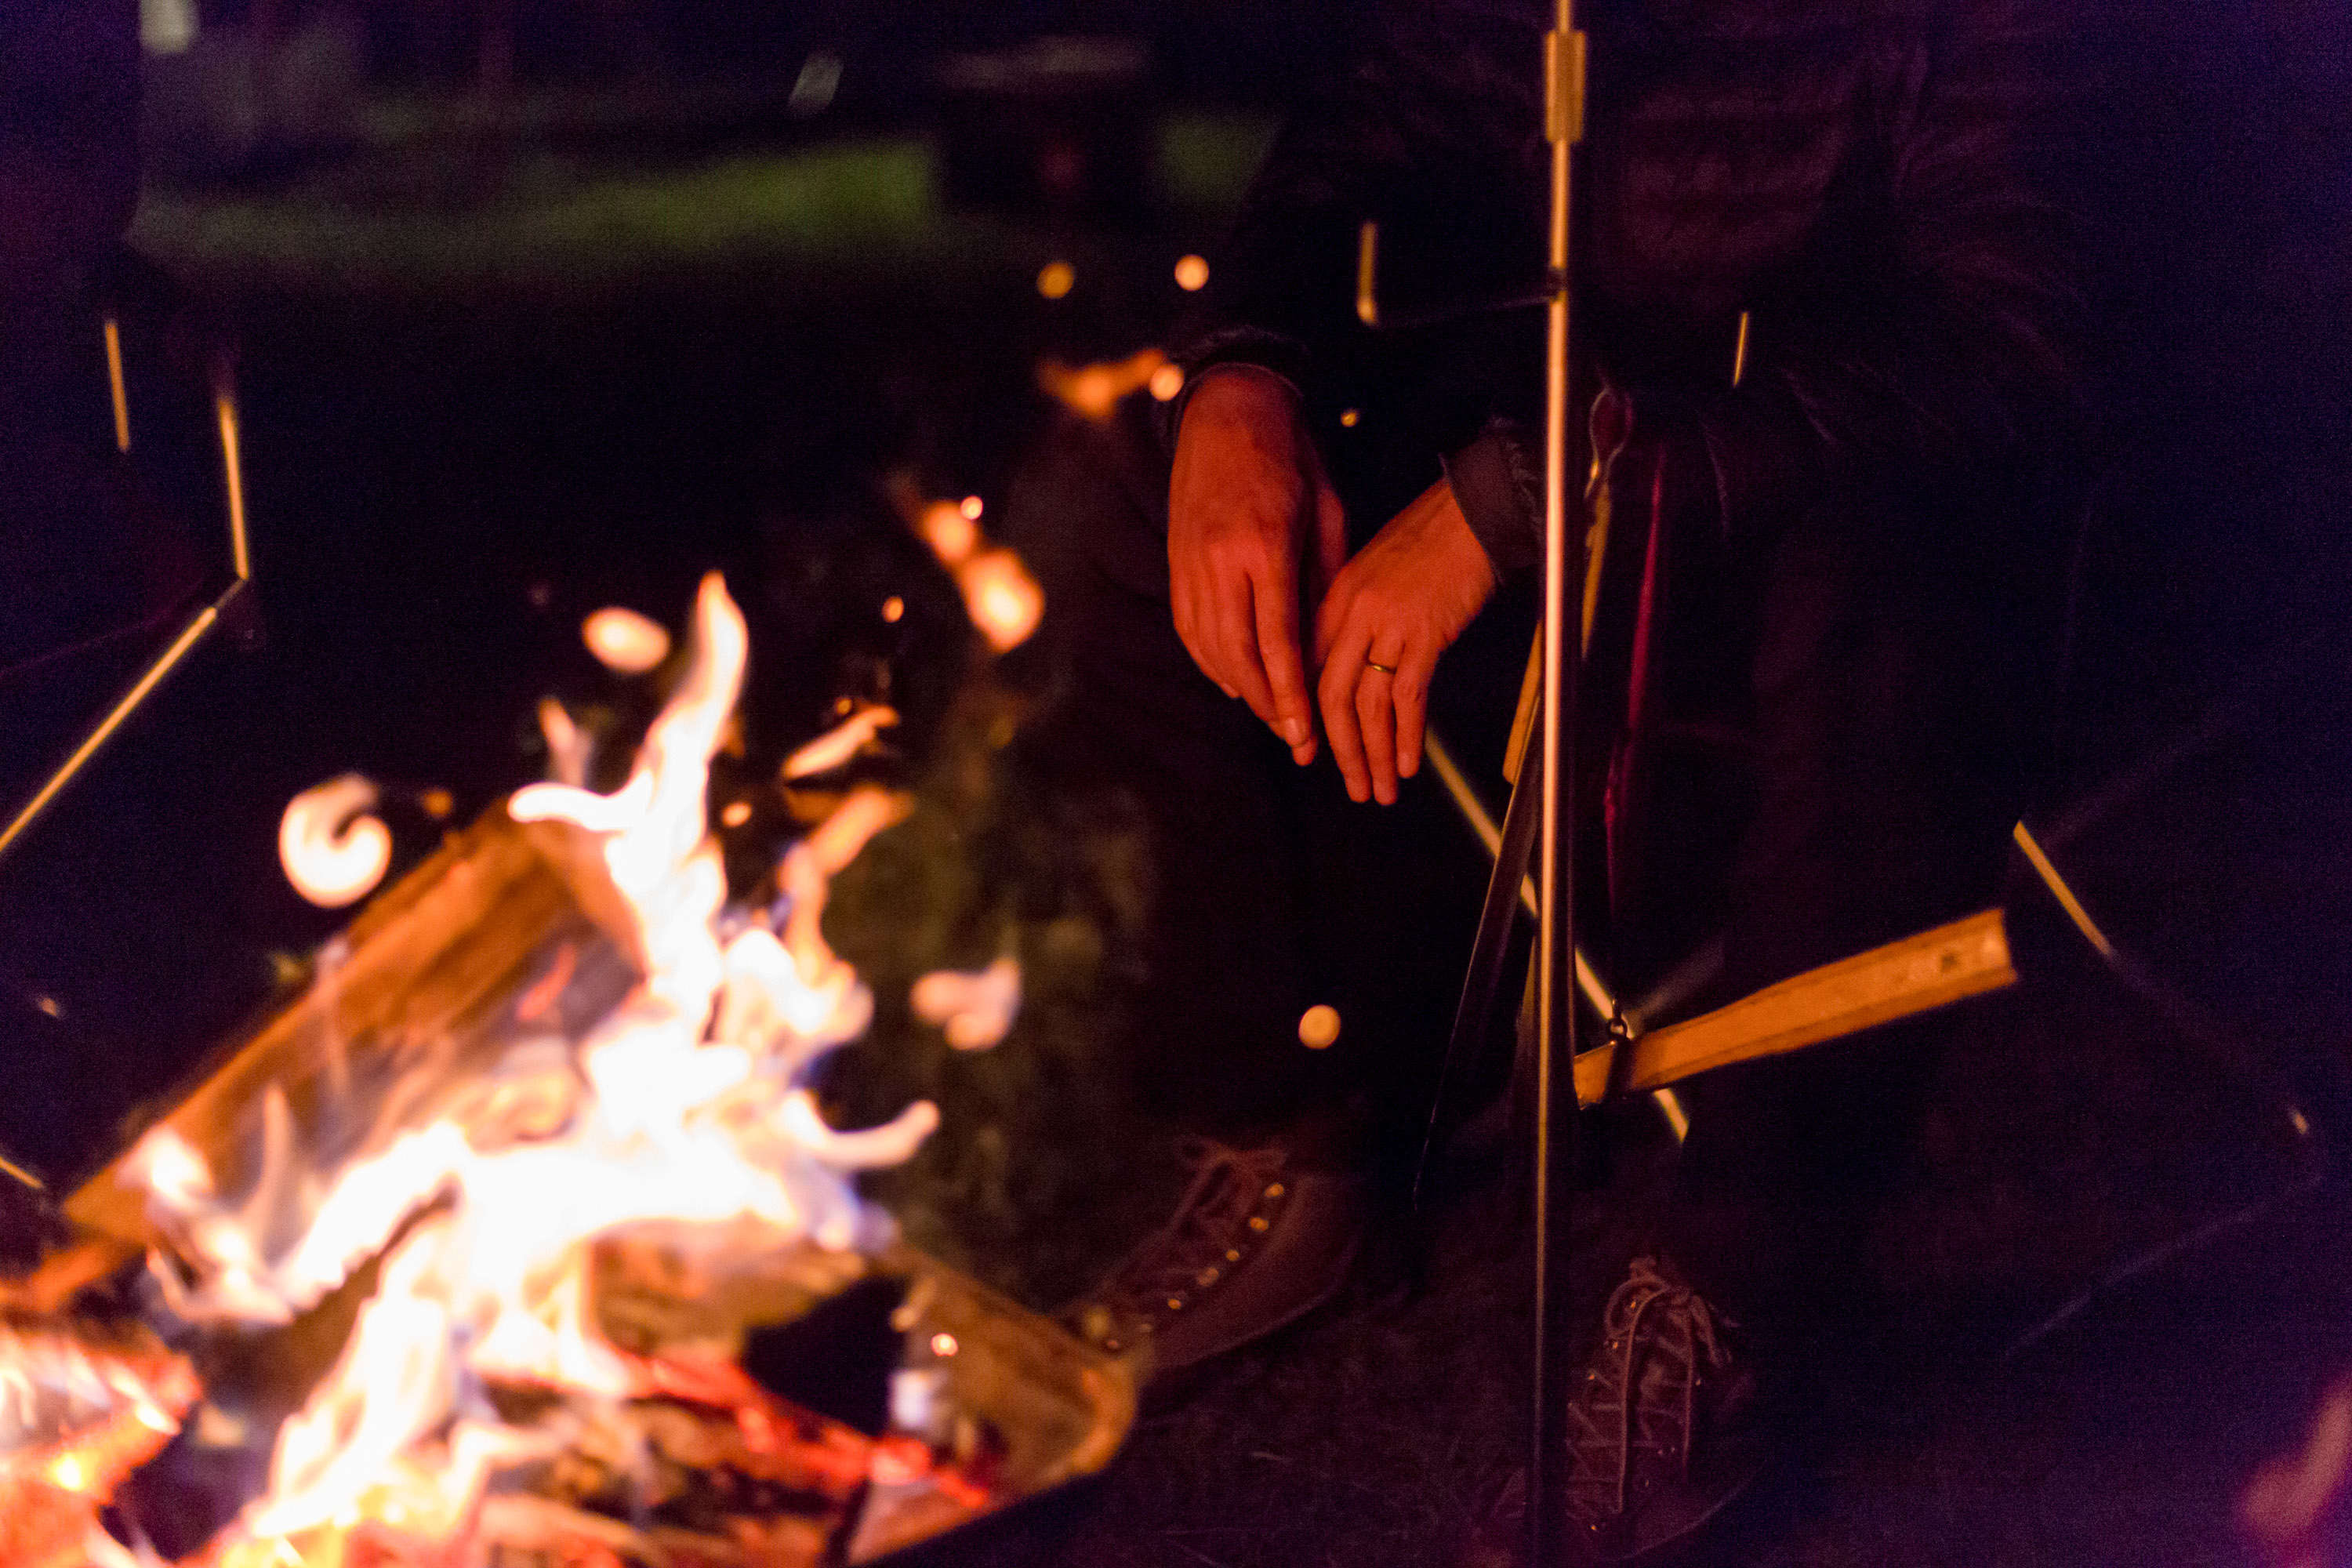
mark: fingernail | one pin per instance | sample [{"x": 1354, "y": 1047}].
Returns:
[
  {"x": 1295, "y": 732},
  {"x": 1229, "y": 691},
  {"x": 1302, "y": 753}
]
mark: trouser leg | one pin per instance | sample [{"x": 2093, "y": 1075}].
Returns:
[{"x": 1893, "y": 720}]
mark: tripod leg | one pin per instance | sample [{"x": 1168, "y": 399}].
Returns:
[{"x": 1497, "y": 917}]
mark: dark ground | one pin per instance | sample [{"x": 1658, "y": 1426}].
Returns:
[{"x": 441, "y": 489}]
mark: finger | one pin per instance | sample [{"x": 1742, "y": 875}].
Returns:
[
  {"x": 1410, "y": 691},
  {"x": 1187, "y": 623},
  {"x": 1235, "y": 644},
  {"x": 1342, "y": 673},
  {"x": 1376, "y": 708},
  {"x": 1277, "y": 648}
]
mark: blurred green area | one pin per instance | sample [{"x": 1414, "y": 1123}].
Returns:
[{"x": 437, "y": 210}]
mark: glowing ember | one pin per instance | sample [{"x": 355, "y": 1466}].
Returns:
[
  {"x": 77, "y": 1416},
  {"x": 1095, "y": 390},
  {"x": 688, "y": 1103},
  {"x": 1318, "y": 1026},
  {"x": 332, "y": 852},
  {"x": 950, "y": 534},
  {"x": 1167, "y": 382},
  {"x": 1192, "y": 273},
  {"x": 624, "y": 641},
  {"x": 974, "y": 1010},
  {"x": 999, "y": 595},
  {"x": 1056, "y": 278},
  {"x": 1003, "y": 600}
]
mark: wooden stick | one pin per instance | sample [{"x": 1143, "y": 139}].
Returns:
[{"x": 1914, "y": 975}]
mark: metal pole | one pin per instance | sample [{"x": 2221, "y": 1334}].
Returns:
[{"x": 1555, "y": 1092}]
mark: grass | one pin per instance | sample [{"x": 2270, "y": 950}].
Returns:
[
  {"x": 857, "y": 206},
  {"x": 436, "y": 209}
]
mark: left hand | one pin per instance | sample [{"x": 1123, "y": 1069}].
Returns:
[{"x": 1400, "y": 601}]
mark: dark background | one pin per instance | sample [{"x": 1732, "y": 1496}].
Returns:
[{"x": 540, "y": 307}]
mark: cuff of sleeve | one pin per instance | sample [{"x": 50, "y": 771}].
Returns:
[
  {"x": 1495, "y": 485},
  {"x": 1251, "y": 347}
]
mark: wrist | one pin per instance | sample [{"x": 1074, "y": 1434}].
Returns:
[
  {"x": 1236, "y": 391},
  {"x": 1461, "y": 540}
]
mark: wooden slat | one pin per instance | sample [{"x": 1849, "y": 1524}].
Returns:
[{"x": 1919, "y": 973}]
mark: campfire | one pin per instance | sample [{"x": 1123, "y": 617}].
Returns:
[{"x": 521, "y": 1236}]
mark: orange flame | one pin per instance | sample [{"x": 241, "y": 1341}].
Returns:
[
  {"x": 973, "y": 1010},
  {"x": 838, "y": 744},
  {"x": 699, "y": 1110}
]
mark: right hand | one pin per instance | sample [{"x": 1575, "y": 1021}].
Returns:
[{"x": 1248, "y": 501}]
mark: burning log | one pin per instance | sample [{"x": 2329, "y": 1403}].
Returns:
[
  {"x": 82, "y": 1404},
  {"x": 478, "y": 1244}
]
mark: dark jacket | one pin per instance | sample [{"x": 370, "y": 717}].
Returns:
[{"x": 1876, "y": 184}]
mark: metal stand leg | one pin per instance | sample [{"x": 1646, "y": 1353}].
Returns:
[
  {"x": 206, "y": 615},
  {"x": 1555, "y": 1087}
]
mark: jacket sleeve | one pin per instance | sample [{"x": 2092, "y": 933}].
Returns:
[
  {"x": 1934, "y": 360},
  {"x": 1926, "y": 345},
  {"x": 1426, "y": 130}
]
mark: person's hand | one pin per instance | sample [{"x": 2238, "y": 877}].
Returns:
[
  {"x": 1247, "y": 497},
  {"x": 1390, "y": 612}
]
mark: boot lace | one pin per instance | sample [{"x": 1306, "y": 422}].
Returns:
[
  {"x": 1639, "y": 1394},
  {"x": 1216, "y": 1223}
]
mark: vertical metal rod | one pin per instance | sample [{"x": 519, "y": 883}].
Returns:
[
  {"x": 1555, "y": 1093},
  {"x": 114, "y": 385}
]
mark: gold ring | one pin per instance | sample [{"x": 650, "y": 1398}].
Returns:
[{"x": 1383, "y": 668}]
